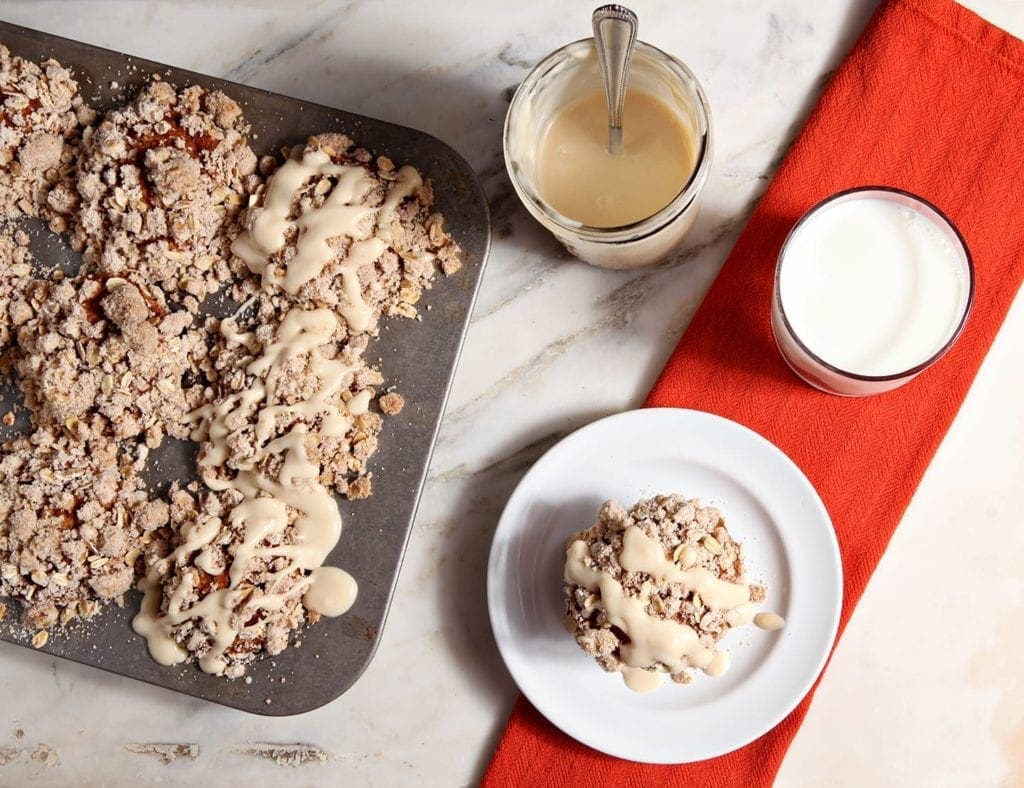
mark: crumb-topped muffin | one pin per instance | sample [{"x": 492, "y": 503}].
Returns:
[{"x": 651, "y": 591}]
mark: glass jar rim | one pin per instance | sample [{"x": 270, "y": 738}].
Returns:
[
  {"x": 941, "y": 217},
  {"x": 649, "y": 225}
]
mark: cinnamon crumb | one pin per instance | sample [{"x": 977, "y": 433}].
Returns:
[{"x": 391, "y": 403}]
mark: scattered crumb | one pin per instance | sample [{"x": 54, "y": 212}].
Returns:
[
  {"x": 391, "y": 403},
  {"x": 285, "y": 754},
  {"x": 46, "y": 755},
  {"x": 166, "y": 753}
]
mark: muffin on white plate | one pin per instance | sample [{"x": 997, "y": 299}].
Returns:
[{"x": 651, "y": 591}]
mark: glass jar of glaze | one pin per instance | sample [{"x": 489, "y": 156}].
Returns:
[
  {"x": 573, "y": 72},
  {"x": 873, "y": 285}
]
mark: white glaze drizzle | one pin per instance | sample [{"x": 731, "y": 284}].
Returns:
[
  {"x": 262, "y": 515},
  {"x": 344, "y": 213},
  {"x": 655, "y": 641},
  {"x": 640, "y": 553}
]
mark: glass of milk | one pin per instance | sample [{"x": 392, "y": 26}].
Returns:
[
  {"x": 872, "y": 286},
  {"x": 611, "y": 210}
]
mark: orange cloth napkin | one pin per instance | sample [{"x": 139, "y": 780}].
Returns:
[{"x": 931, "y": 99}]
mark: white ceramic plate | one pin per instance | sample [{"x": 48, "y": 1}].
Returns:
[{"x": 789, "y": 545}]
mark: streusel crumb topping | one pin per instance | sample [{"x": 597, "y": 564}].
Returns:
[{"x": 116, "y": 357}]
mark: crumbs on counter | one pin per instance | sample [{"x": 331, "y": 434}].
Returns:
[
  {"x": 285, "y": 754},
  {"x": 165, "y": 753}
]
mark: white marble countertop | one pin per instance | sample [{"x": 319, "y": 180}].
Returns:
[{"x": 908, "y": 699}]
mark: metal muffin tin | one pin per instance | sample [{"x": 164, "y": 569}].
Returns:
[{"x": 419, "y": 358}]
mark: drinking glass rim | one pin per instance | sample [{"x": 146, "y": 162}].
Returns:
[
  {"x": 642, "y": 227},
  {"x": 968, "y": 302}
]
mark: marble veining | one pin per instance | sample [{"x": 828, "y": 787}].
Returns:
[{"x": 553, "y": 345}]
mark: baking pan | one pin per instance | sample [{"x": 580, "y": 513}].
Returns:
[{"x": 419, "y": 358}]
